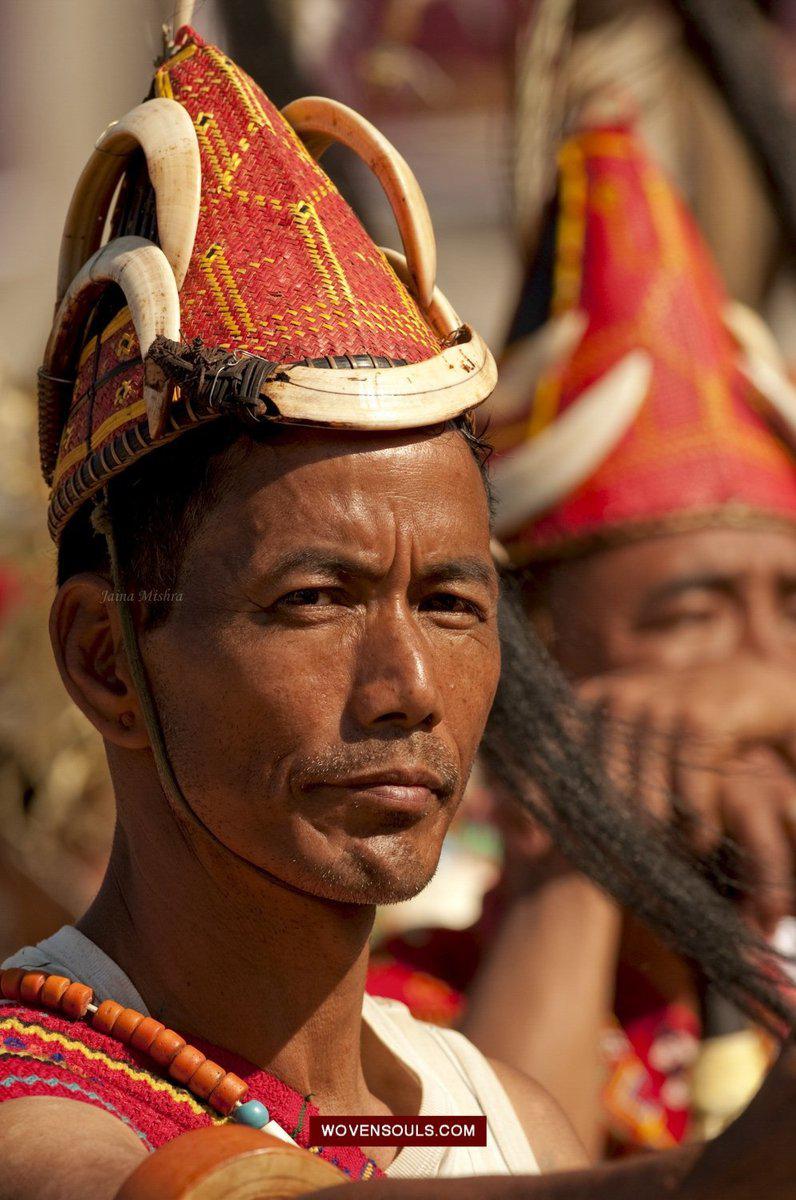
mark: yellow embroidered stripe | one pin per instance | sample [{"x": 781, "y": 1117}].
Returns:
[
  {"x": 131, "y": 413},
  {"x": 158, "y": 1085}
]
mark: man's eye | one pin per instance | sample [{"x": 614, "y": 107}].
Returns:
[
  {"x": 309, "y": 598},
  {"x": 447, "y": 602},
  {"x": 678, "y": 618}
]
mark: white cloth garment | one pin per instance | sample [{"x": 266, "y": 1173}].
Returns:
[{"x": 455, "y": 1078}]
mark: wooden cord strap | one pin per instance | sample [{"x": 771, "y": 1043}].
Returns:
[{"x": 103, "y": 521}]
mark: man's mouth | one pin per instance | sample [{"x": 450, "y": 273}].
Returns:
[{"x": 412, "y": 790}]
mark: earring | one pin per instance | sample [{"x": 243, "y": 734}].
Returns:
[{"x": 127, "y": 720}]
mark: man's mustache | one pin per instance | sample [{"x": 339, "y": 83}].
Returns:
[{"x": 380, "y": 755}]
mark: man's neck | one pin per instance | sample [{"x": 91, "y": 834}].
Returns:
[{"x": 249, "y": 965}]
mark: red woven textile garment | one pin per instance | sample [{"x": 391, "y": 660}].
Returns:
[{"x": 45, "y": 1055}]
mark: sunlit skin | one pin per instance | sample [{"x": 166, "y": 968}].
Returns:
[
  {"x": 323, "y": 681},
  {"x": 676, "y": 601}
]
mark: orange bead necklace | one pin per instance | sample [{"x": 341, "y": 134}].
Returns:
[{"x": 222, "y": 1090}]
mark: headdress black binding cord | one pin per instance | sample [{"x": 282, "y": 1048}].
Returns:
[{"x": 217, "y": 379}]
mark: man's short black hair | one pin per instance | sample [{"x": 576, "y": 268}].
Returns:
[{"x": 157, "y": 504}]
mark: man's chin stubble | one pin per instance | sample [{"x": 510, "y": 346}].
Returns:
[{"x": 371, "y": 884}]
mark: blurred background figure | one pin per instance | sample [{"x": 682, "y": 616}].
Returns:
[
  {"x": 646, "y": 484},
  {"x": 679, "y": 639},
  {"x": 702, "y": 78}
]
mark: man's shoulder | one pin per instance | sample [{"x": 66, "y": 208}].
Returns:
[
  {"x": 48, "y": 1141},
  {"x": 497, "y": 1088},
  {"x": 555, "y": 1143},
  {"x": 46, "y": 1055}
]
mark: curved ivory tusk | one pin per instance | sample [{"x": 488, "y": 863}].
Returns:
[
  {"x": 409, "y": 397},
  {"x": 751, "y": 333},
  {"x": 763, "y": 365},
  {"x": 183, "y": 13},
  {"x": 534, "y": 477},
  {"x": 776, "y": 391},
  {"x": 164, "y": 131},
  {"x": 439, "y": 311},
  {"x": 142, "y": 271},
  {"x": 527, "y": 360},
  {"x": 319, "y": 122}
]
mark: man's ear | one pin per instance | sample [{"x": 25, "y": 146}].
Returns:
[{"x": 86, "y": 640}]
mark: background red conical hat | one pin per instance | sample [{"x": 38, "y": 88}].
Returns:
[
  {"x": 280, "y": 268},
  {"x": 697, "y": 446}
]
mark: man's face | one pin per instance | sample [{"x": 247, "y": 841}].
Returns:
[
  {"x": 675, "y": 601},
  {"x": 325, "y": 680}
]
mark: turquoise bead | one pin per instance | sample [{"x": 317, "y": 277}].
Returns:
[{"x": 252, "y": 1113}]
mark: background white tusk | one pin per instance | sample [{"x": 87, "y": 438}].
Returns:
[
  {"x": 526, "y": 361},
  {"x": 777, "y": 393},
  {"x": 500, "y": 555},
  {"x": 548, "y": 467},
  {"x": 751, "y": 332}
]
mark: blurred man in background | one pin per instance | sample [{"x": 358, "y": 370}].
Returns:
[
  {"x": 710, "y": 102},
  {"x": 647, "y": 505}
]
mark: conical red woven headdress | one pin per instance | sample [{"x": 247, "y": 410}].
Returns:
[
  {"x": 646, "y": 401},
  {"x": 248, "y": 283}
]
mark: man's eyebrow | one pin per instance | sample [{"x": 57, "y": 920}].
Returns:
[
  {"x": 324, "y": 562},
  {"x": 333, "y": 563},
  {"x": 473, "y": 570},
  {"x": 709, "y": 581}
]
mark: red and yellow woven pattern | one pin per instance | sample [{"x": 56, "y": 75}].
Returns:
[
  {"x": 281, "y": 267},
  {"x": 46, "y": 1055},
  {"x": 629, "y": 255}
]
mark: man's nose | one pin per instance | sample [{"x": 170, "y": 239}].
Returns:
[
  {"x": 395, "y": 681},
  {"x": 764, "y": 634}
]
